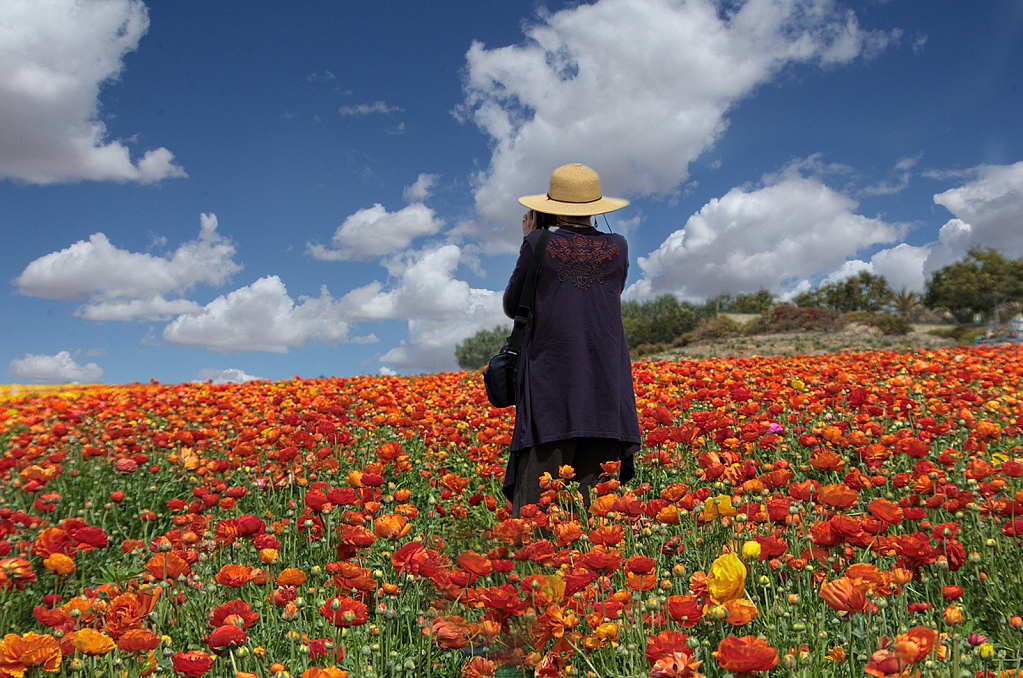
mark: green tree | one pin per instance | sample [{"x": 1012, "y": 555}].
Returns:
[
  {"x": 861, "y": 292},
  {"x": 659, "y": 321},
  {"x": 905, "y": 302},
  {"x": 760, "y": 301},
  {"x": 476, "y": 351},
  {"x": 984, "y": 282}
]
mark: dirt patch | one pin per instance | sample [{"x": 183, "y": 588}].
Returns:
[{"x": 853, "y": 337}]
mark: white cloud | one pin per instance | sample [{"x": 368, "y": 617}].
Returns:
[
  {"x": 123, "y": 285},
  {"x": 55, "y": 55},
  {"x": 441, "y": 310},
  {"x": 426, "y": 289},
  {"x": 387, "y": 371},
  {"x": 261, "y": 317},
  {"x": 902, "y": 266},
  {"x": 431, "y": 343},
  {"x": 992, "y": 205},
  {"x": 231, "y": 375},
  {"x": 637, "y": 89},
  {"x": 422, "y": 189},
  {"x": 366, "y": 109},
  {"x": 375, "y": 232},
  {"x": 771, "y": 237},
  {"x": 154, "y": 308},
  {"x": 54, "y": 369}
]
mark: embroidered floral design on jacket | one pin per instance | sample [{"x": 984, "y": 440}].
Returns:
[{"x": 582, "y": 259}]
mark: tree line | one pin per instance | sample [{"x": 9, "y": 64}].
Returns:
[{"x": 984, "y": 283}]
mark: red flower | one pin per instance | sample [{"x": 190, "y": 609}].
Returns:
[
  {"x": 686, "y": 610},
  {"x": 226, "y": 636},
  {"x": 194, "y": 663},
  {"x": 345, "y": 612},
  {"x": 746, "y": 654},
  {"x": 845, "y": 595}
]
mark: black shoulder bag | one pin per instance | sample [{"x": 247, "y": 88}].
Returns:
[{"x": 501, "y": 376}]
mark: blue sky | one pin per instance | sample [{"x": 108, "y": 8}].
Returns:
[{"x": 262, "y": 189}]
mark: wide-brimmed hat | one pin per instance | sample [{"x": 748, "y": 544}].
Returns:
[{"x": 575, "y": 191}]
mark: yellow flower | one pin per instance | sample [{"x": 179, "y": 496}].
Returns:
[
  {"x": 727, "y": 578},
  {"x": 718, "y": 506},
  {"x": 751, "y": 550},
  {"x": 986, "y": 650}
]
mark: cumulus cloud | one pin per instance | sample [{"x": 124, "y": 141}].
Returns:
[
  {"x": 422, "y": 189},
  {"x": 902, "y": 266},
  {"x": 123, "y": 285},
  {"x": 54, "y": 58},
  {"x": 607, "y": 84},
  {"x": 792, "y": 228},
  {"x": 231, "y": 375},
  {"x": 54, "y": 369},
  {"x": 992, "y": 205},
  {"x": 441, "y": 310},
  {"x": 375, "y": 232},
  {"x": 260, "y": 317}
]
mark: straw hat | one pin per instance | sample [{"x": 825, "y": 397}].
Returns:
[{"x": 575, "y": 191}]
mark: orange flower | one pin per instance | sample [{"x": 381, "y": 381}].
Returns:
[
  {"x": 127, "y": 610},
  {"x": 478, "y": 667},
  {"x": 473, "y": 562},
  {"x": 328, "y": 672},
  {"x": 391, "y": 526},
  {"x": 451, "y": 633},
  {"x": 60, "y": 564},
  {"x": 607, "y": 536},
  {"x": 844, "y": 595},
  {"x": 568, "y": 532},
  {"x": 19, "y": 654},
  {"x": 167, "y": 566},
  {"x": 746, "y": 654},
  {"x": 838, "y": 495},
  {"x": 915, "y": 644},
  {"x": 291, "y": 576},
  {"x": 138, "y": 640},
  {"x": 740, "y": 611},
  {"x": 885, "y": 510},
  {"x": 92, "y": 642},
  {"x": 15, "y": 573},
  {"x": 234, "y": 576}
]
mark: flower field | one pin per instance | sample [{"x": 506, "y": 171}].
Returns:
[{"x": 838, "y": 515}]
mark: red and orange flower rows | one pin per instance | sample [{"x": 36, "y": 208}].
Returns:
[{"x": 857, "y": 513}]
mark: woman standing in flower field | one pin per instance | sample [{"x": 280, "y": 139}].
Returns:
[{"x": 575, "y": 404}]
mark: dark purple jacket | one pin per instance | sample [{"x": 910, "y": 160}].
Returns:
[{"x": 575, "y": 373}]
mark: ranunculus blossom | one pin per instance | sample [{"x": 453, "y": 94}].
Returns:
[
  {"x": 727, "y": 578},
  {"x": 844, "y": 595},
  {"x": 194, "y": 663},
  {"x": 60, "y": 564},
  {"x": 91, "y": 641},
  {"x": 746, "y": 654},
  {"x": 345, "y": 611},
  {"x": 19, "y": 654}
]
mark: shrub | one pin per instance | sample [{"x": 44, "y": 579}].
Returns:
[
  {"x": 888, "y": 324},
  {"x": 787, "y": 318}
]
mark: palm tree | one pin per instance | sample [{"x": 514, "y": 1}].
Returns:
[{"x": 905, "y": 302}]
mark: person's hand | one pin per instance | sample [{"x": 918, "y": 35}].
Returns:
[{"x": 528, "y": 223}]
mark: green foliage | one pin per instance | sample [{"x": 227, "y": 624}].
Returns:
[
  {"x": 718, "y": 327},
  {"x": 761, "y": 301},
  {"x": 476, "y": 351},
  {"x": 984, "y": 282},
  {"x": 889, "y": 324},
  {"x": 862, "y": 292},
  {"x": 905, "y": 302},
  {"x": 788, "y": 318},
  {"x": 660, "y": 321}
]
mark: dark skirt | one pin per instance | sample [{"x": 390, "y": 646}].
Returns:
[{"x": 584, "y": 455}]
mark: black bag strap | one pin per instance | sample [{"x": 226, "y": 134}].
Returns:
[{"x": 526, "y": 299}]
